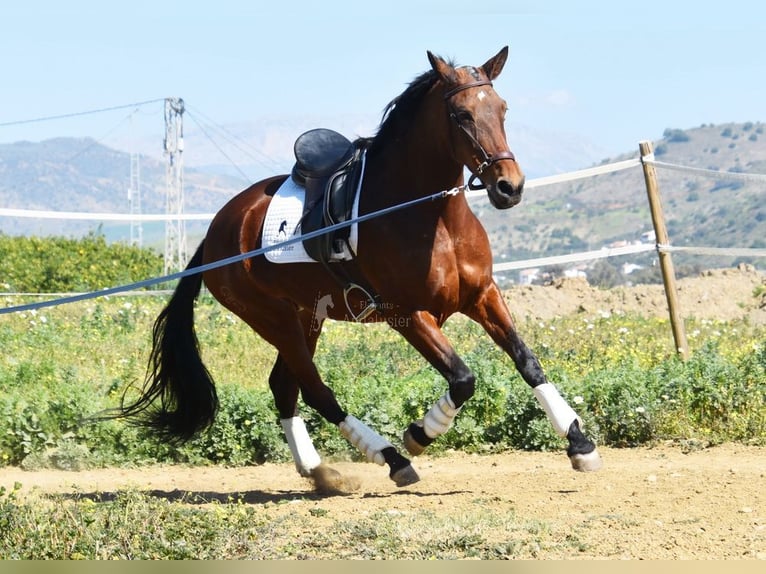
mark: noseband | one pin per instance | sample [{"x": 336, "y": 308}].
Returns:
[{"x": 487, "y": 159}]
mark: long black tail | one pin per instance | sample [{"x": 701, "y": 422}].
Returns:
[{"x": 179, "y": 397}]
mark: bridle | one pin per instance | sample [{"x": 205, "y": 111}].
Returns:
[{"x": 487, "y": 159}]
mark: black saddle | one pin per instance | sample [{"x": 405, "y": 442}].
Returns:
[{"x": 328, "y": 165}]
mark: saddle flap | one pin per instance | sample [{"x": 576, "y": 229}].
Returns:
[
  {"x": 321, "y": 151},
  {"x": 335, "y": 205},
  {"x": 341, "y": 190}
]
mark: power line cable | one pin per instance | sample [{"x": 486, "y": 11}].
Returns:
[
  {"x": 76, "y": 114},
  {"x": 218, "y": 147},
  {"x": 99, "y": 140},
  {"x": 241, "y": 143}
]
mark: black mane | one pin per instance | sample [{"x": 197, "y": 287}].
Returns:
[{"x": 398, "y": 113}]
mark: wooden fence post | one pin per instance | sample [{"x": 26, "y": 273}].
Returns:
[{"x": 666, "y": 262}]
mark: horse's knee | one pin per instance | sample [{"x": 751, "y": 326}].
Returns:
[{"x": 462, "y": 387}]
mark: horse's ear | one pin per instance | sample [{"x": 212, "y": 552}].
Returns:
[
  {"x": 494, "y": 65},
  {"x": 445, "y": 71}
]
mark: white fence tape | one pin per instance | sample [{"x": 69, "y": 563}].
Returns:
[
  {"x": 569, "y": 176},
  {"x": 89, "y": 216},
  {"x": 717, "y": 174},
  {"x": 498, "y": 267},
  {"x": 574, "y": 257},
  {"x": 716, "y": 251}
]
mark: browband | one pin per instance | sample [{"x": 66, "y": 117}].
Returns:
[{"x": 457, "y": 89}]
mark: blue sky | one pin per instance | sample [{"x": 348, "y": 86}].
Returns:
[{"x": 612, "y": 73}]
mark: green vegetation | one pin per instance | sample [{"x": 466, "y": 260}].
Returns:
[
  {"x": 51, "y": 264},
  {"x": 67, "y": 363},
  {"x": 63, "y": 365},
  {"x": 134, "y": 526}
]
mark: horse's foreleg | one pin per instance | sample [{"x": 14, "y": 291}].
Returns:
[
  {"x": 424, "y": 334},
  {"x": 491, "y": 312}
]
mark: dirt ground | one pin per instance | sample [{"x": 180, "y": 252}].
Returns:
[
  {"x": 662, "y": 502},
  {"x": 724, "y": 294}
]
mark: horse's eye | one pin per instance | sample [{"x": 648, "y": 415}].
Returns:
[{"x": 464, "y": 117}]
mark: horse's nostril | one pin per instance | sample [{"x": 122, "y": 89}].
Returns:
[{"x": 505, "y": 187}]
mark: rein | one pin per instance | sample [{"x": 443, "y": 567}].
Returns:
[{"x": 487, "y": 159}]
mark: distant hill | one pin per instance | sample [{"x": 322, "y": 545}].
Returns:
[
  {"x": 700, "y": 211},
  {"x": 73, "y": 174},
  {"x": 83, "y": 175}
]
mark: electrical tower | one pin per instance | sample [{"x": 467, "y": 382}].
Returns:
[
  {"x": 175, "y": 229},
  {"x": 134, "y": 199}
]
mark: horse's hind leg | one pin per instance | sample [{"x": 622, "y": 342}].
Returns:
[
  {"x": 492, "y": 313},
  {"x": 284, "y": 388},
  {"x": 308, "y": 463},
  {"x": 295, "y": 370}
]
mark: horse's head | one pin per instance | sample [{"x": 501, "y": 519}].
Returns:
[{"x": 477, "y": 133}]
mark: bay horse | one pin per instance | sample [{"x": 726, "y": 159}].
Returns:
[{"x": 420, "y": 265}]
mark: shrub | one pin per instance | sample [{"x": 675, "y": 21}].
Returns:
[
  {"x": 620, "y": 373},
  {"x": 38, "y": 265},
  {"x": 675, "y": 135}
]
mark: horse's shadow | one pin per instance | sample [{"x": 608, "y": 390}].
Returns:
[{"x": 199, "y": 497}]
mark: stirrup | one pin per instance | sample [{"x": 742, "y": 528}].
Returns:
[{"x": 371, "y": 307}]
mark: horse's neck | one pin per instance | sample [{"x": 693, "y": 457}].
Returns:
[{"x": 405, "y": 172}]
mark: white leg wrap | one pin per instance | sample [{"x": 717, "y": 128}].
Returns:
[
  {"x": 305, "y": 456},
  {"x": 559, "y": 412},
  {"x": 364, "y": 438},
  {"x": 439, "y": 419}
]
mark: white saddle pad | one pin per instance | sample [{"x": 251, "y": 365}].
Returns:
[{"x": 282, "y": 223}]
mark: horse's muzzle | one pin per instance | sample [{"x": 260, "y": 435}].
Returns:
[{"x": 504, "y": 194}]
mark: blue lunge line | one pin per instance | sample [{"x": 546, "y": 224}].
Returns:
[{"x": 228, "y": 260}]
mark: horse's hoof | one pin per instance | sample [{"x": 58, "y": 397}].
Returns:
[
  {"x": 589, "y": 462},
  {"x": 405, "y": 476},
  {"x": 415, "y": 438}
]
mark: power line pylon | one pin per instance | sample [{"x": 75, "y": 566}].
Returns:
[
  {"x": 134, "y": 199},
  {"x": 175, "y": 229}
]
